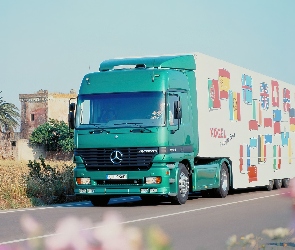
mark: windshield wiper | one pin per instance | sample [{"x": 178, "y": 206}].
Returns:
[
  {"x": 99, "y": 130},
  {"x": 128, "y": 123},
  {"x": 141, "y": 129}
]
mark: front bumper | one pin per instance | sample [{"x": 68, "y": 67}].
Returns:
[{"x": 133, "y": 185}]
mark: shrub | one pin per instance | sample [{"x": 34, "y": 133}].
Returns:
[
  {"x": 55, "y": 135},
  {"x": 47, "y": 185}
]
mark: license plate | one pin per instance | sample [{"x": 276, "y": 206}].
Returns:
[{"x": 116, "y": 176}]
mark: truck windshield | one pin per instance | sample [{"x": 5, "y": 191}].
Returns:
[{"x": 127, "y": 109}]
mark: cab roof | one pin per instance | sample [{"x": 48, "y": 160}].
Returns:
[{"x": 185, "y": 62}]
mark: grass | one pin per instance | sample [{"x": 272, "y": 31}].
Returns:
[{"x": 20, "y": 188}]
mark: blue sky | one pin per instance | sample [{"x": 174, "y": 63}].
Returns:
[{"x": 51, "y": 44}]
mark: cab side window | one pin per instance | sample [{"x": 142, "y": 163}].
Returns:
[{"x": 186, "y": 110}]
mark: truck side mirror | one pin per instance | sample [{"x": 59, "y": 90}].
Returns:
[
  {"x": 177, "y": 110},
  {"x": 72, "y": 107},
  {"x": 71, "y": 120},
  {"x": 71, "y": 116}
]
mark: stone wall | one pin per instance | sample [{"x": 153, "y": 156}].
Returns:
[
  {"x": 7, "y": 146},
  {"x": 59, "y": 156},
  {"x": 26, "y": 152}
]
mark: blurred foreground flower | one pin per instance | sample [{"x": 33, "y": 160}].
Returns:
[
  {"x": 81, "y": 234},
  {"x": 113, "y": 235},
  {"x": 277, "y": 233},
  {"x": 231, "y": 241},
  {"x": 248, "y": 240},
  {"x": 157, "y": 239},
  {"x": 69, "y": 235}
]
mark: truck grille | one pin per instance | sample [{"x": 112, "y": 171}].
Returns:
[{"x": 117, "y": 158}]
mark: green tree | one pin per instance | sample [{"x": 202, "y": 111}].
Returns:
[
  {"x": 55, "y": 135},
  {"x": 9, "y": 116}
]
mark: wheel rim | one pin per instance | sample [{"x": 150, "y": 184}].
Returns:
[
  {"x": 224, "y": 184},
  {"x": 183, "y": 184}
]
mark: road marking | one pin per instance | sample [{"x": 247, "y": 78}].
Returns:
[
  {"x": 75, "y": 204},
  {"x": 24, "y": 210},
  {"x": 43, "y": 208},
  {"x": 148, "y": 218},
  {"x": 197, "y": 209},
  {"x": 27, "y": 239}
]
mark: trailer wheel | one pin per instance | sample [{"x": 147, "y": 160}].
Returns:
[
  {"x": 222, "y": 190},
  {"x": 269, "y": 187},
  {"x": 277, "y": 183},
  {"x": 99, "y": 201},
  {"x": 183, "y": 186},
  {"x": 285, "y": 182}
]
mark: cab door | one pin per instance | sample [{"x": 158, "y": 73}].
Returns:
[{"x": 180, "y": 129}]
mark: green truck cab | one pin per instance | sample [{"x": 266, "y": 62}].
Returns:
[{"x": 136, "y": 133}]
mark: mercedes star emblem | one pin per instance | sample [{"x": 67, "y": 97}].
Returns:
[{"x": 116, "y": 157}]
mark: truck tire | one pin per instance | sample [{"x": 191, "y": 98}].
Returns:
[
  {"x": 222, "y": 190},
  {"x": 183, "y": 186},
  {"x": 99, "y": 201},
  {"x": 277, "y": 184},
  {"x": 285, "y": 182},
  {"x": 269, "y": 187}
]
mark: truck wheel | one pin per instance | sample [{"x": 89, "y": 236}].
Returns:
[
  {"x": 222, "y": 190},
  {"x": 99, "y": 201},
  {"x": 277, "y": 183},
  {"x": 183, "y": 186},
  {"x": 285, "y": 182},
  {"x": 269, "y": 187}
]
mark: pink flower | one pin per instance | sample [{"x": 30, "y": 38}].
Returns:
[
  {"x": 69, "y": 235},
  {"x": 30, "y": 225},
  {"x": 112, "y": 235}
]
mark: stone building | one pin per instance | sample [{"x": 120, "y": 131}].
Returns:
[{"x": 38, "y": 108}]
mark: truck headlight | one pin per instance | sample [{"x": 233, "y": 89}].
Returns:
[
  {"x": 153, "y": 180},
  {"x": 83, "y": 181}
]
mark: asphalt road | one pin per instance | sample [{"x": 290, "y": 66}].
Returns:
[{"x": 202, "y": 223}]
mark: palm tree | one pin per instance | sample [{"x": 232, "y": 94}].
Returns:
[{"x": 9, "y": 116}]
